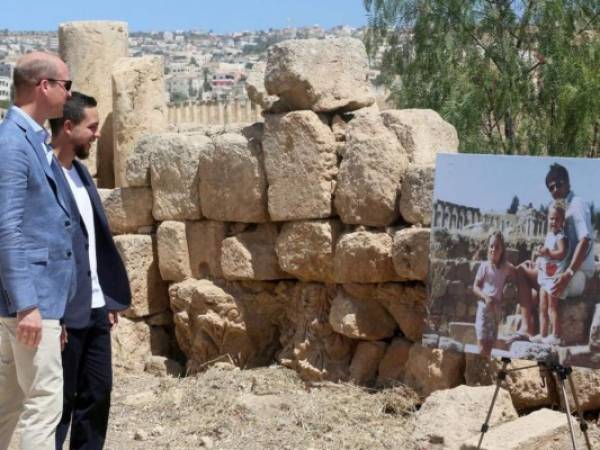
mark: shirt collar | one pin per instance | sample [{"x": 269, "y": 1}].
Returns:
[{"x": 39, "y": 131}]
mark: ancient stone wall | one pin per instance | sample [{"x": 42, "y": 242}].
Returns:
[{"x": 302, "y": 239}]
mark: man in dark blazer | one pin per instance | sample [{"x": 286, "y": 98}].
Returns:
[{"x": 102, "y": 284}]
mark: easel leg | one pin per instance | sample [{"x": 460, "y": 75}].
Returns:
[
  {"x": 501, "y": 377},
  {"x": 582, "y": 423},
  {"x": 562, "y": 373}
]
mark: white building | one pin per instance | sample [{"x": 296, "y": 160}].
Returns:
[{"x": 5, "y": 85}]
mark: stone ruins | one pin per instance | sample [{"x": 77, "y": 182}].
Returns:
[{"x": 300, "y": 239}]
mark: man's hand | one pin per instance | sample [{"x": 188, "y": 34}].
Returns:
[
  {"x": 29, "y": 327},
  {"x": 113, "y": 318},
  {"x": 560, "y": 284},
  {"x": 64, "y": 338}
]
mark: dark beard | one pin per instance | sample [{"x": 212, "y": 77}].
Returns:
[{"x": 81, "y": 152}]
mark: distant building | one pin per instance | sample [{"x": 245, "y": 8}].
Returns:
[{"x": 5, "y": 86}]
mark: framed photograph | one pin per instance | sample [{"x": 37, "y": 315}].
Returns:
[{"x": 514, "y": 254}]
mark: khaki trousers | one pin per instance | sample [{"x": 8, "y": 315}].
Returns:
[{"x": 31, "y": 386}]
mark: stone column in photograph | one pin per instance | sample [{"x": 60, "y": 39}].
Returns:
[
  {"x": 90, "y": 48},
  {"x": 139, "y": 106}
]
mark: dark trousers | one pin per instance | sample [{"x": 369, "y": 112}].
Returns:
[{"x": 87, "y": 374}]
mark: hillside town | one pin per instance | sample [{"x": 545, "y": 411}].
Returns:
[{"x": 200, "y": 66}]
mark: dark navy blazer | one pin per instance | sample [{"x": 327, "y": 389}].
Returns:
[{"x": 111, "y": 270}]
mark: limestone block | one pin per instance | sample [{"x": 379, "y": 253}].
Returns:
[
  {"x": 542, "y": 429},
  {"x": 422, "y": 132},
  {"x": 391, "y": 367},
  {"x": 90, "y": 49},
  {"x": 339, "y": 127},
  {"x": 230, "y": 321},
  {"x": 428, "y": 370},
  {"x": 173, "y": 255},
  {"x": 527, "y": 388},
  {"x": 233, "y": 185},
  {"x": 162, "y": 366},
  {"x": 204, "y": 246},
  {"x": 251, "y": 255},
  {"x": 137, "y": 166},
  {"x": 359, "y": 318},
  {"x": 363, "y": 368},
  {"x": 319, "y": 74},
  {"x": 255, "y": 88},
  {"x": 127, "y": 209},
  {"x": 416, "y": 195},
  {"x": 406, "y": 303},
  {"x": 369, "y": 177},
  {"x": 138, "y": 106},
  {"x": 310, "y": 344},
  {"x": 301, "y": 164},
  {"x": 587, "y": 386},
  {"x": 174, "y": 176},
  {"x": 410, "y": 253},
  {"x": 148, "y": 290},
  {"x": 434, "y": 424},
  {"x": 134, "y": 341},
  {"x": 364, "y": 257},
  {"x": 305, "y": 249}
]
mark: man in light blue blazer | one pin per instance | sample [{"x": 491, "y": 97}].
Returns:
[{"x": 37, "y": 268}]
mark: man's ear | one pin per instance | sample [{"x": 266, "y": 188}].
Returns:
[{"x": 68, "y": 127}]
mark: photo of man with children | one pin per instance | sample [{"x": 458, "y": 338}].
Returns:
[{"x": 510, "y": 279}]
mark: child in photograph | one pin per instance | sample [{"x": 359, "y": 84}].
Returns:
[
  {"x": 553, "y": 260},
  {"x": 488, "y": 286}
]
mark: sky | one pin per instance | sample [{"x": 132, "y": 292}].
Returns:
[
  {"x": 221, "y": 16},
  {"x": 490, "y": 182}
]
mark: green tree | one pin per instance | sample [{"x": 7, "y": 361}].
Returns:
[
  {"x": 514, "y": 206},
  {"x": 514, "y": 77}
]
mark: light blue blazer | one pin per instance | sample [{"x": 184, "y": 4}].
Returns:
[{"x": 37, "y": 267}]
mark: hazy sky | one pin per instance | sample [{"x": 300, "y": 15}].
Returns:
[
  {"x": 150, "y": 15},
  {"x": 489, "y": 182}
]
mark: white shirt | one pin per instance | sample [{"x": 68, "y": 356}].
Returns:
[{"x": 84, "y": 205}]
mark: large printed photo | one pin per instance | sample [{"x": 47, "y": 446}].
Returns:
[{"x": 514, "y": 256}]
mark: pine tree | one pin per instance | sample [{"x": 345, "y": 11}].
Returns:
[{"x": 514, "y": 77}]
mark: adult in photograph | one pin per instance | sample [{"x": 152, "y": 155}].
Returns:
[
  {"x": 578, "y": 230},
  {"x": 102, "y": 284},
  {"x": 37, "y": 268}
]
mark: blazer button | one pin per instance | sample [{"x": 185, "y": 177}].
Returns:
[
  {"x": 69, "y": 253},
  {"x": 67, "y": 223}
]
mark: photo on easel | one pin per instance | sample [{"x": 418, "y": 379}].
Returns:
[{"x": 514, "y": 258}]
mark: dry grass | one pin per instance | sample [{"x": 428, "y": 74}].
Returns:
[{"x": 267, "y": 408}]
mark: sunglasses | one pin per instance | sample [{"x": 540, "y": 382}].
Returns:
[
  {"x": 553, "y": 186},
  {"x": 66, "y": 84}
]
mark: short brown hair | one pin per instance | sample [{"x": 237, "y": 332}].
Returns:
[{"x": 29, "y": 73}]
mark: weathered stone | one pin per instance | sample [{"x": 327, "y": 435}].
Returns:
[
  {"x": 360, "y": 318},
  {"x": 301, "y": 164},
  {"x": 232, "y": 322},
  {"x": 463, "y": 332},
  {"x": 162, "y": 366},
  {"x": 163, "y": 319},
  {"x": 139, "y": 106},
  {"x": 233, "y": 185},
  {"x": 539, "y": 430},
  {"x": 204, "y": 246},
  {"x": 364, "y": 257},
  {"x": 527, "y": 388},
  {"x": 587, "y": 387},
  {"x": 134, "y": 341},
  {"x": 173, "y": 255},
  {"x": 363, "y": 368},
  {"x": 305, "y": 249},
  {"x": 422, "y": 132},
  {"x": 428, "y": 370},
  {"x": 410, "y": 253},
  {"x": 148, "y": 290},
  {"x": 435, "y": 422},
  {"x": 595, "y": 329},
  {"x": 257, "y": 93},
  {"x": 317, "y": 74},
  {"x": 90, "y": 48},
  {"x": 370, "y": 173},
  {"x": 416, "y": 195},
  {"x": 311, "y": 346},
  {"x": 406, "y": 303},
  {"x": 251, "y": 255},
  {"x": 339, "y": 126},
  {"x": 391, "y": 367},
  {"x": 137, "y": 167},
  {"x": 175, "y": 178},
  {"x": 127, "y": 209}
]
